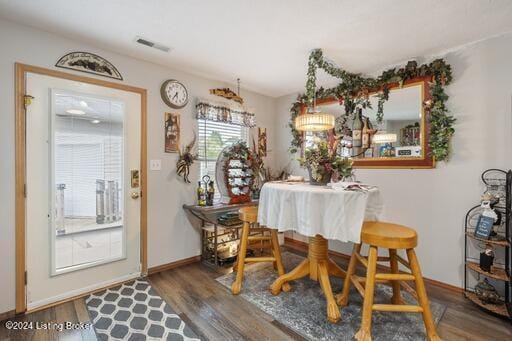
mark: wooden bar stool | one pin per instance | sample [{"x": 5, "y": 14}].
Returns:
[
  {"x": 391, "y": 237},
  {"x": 249, "y": 216}
]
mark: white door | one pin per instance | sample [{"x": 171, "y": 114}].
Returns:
[{"x": 83, "y": 211}]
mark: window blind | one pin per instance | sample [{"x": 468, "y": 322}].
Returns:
[{"x": 213, "y": 137}]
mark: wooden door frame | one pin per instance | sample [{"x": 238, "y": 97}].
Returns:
[{"x": 21, "y": 71}]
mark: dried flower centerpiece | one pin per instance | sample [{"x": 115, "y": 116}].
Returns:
[{"x": 322, "y": 163}]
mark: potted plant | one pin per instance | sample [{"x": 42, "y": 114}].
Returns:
[{"x": 322, "y": 163}]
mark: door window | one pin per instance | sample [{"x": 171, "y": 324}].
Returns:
[{"x": 87, "y": 180}]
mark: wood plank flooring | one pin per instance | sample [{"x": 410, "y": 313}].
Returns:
[{"x": 214, "y": 314}]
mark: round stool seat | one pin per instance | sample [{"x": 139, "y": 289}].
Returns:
[
  {"x": 248, "y": 214},
  {"x": 388, "y": 235}
]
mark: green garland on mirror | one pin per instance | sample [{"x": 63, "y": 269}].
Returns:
[{"x": 354, "y": 90}]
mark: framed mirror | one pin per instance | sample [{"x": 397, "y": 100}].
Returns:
[{"x": 399, "y": 141}]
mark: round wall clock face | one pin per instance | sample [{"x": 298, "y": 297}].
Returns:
[{"x": 174, "y": 94}]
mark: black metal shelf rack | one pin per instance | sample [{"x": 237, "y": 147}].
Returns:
[{"x": 499, "y": 183}]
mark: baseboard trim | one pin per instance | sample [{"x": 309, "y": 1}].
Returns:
[
  {"x": 303, "y": 246},
  {"x": 7, "y": 314},
  {"x": 173, "y": 265},
  {"x": 76, "y": 294}
]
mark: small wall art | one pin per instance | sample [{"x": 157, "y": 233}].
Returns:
[
  {"x": 262, "y": 141},
  {"x": 172, "y": 132},
  {"x": 90, "y": 63},
  {"x": 228, "y": 94}
]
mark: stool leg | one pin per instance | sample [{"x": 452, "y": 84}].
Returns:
[
  {"x": 422, "y": 296},
  {"x": 352, "y": 265},
  {"x": 237, "y": 284},
  {"x": 272, "y": 248},
  {"x": 365, "y": 332},
  {"x": 393, "y": 262},
  {"x": 278, "y": 264}
]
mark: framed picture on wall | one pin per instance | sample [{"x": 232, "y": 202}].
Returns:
[
  {"x": 262, "y": 141},
  {"x": 172, "y": 132}
]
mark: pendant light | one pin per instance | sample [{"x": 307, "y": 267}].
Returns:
[{"x": 314, "y": 120}]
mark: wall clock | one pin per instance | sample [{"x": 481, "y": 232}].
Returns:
[{"x": 174, "y": 94}]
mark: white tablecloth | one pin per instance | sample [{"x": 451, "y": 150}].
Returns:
[{"x": 310, "y": 210}]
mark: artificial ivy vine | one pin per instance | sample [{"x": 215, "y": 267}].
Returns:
[{"x": 354, "y": 90}]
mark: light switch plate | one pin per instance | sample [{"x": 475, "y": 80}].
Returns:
[{"x": 155, "y": 165}]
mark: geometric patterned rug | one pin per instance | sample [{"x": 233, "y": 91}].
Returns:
[
  {"x": 135, "y": 311},
  {"x": 303, "y": 309}
]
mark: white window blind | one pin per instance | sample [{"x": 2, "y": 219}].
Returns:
[{"x": 213, "y": 137}]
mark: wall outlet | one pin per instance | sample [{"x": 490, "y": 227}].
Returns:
[{"x": 155, "y": 165}]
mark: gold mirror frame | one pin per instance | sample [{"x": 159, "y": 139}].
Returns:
[{"x": 425, "y": 161}]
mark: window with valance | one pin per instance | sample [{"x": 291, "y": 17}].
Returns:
[{"x": 220, "y": 125}]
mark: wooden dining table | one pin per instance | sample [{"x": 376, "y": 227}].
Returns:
[{"x": 321, "y": 213}]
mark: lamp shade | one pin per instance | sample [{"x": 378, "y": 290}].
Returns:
[
  {"x": 384, "y": 138},
  {"x": 314, "y": 122}
]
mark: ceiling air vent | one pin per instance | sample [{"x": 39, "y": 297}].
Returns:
[{"x": 152, "y": 44}]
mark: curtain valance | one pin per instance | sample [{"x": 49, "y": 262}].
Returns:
[{"x": 223, "y": 112}]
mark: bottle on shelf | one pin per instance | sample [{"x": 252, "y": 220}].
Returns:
[
  {"x": 357, "y": 129},
  {"x": 210, "y": 194},
  {"x": 201, "y": 195},
  {"x": 365, "y": 138}
]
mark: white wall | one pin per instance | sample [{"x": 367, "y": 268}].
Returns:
[
  {"x": 171, "y": 236},
  {"x": 435, "y": 201}
]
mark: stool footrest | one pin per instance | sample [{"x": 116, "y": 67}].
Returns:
[
  {"x": 257, "y": 246},
  {"x": 252, "y": 238},
  {"x": 394, "y": 277},
  {"x": 362, "y": 260},
  {"x": 259, "y": 229},
  {"x": 259, "y": 259},
  {"x": 398, "y": 308},
  {"x": 358, "y": 286},
  {"x": 403, "y": 261},
  {"x": 363, "y": 279},
  {"x": 409, "y": 289}
]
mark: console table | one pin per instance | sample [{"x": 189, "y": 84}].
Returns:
[{"x": 209, "y": 215}]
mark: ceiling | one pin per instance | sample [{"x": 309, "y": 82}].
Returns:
[
  {"x": 87, "y": 107},
  {"x": 266, "y": 43}
]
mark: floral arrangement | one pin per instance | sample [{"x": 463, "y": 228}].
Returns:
[
  {"x": 257, "y": 164},
  {"x": 186, "y": 158},
  {"x": 241, "y": 151},
  {"x": 322, "y": 163},
  {"x": 354, "y": 89},
  {"x": 238, "y": 150}
]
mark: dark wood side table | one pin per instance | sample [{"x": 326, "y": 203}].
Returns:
[{"x": 209, "y": 215}]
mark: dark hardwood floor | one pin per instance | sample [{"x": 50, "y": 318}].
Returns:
[{"x": 214, "y": 314}]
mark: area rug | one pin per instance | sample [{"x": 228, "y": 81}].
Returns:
[
  {"x": 135, "y": 311},
  {"x": 303, "y": 309}
]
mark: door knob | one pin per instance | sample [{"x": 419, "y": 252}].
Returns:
[{"x": 135, "y": 195}]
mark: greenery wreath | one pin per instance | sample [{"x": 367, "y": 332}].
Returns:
[{"x": 354, "y": 90}]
